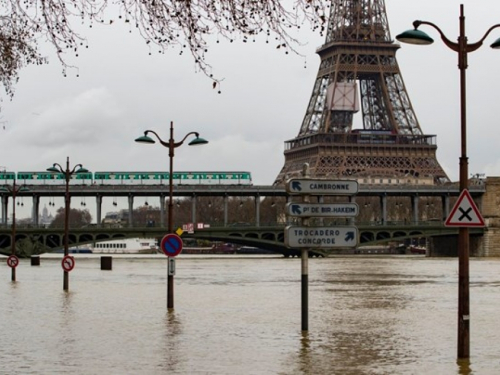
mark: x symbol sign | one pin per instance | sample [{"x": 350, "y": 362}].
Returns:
[{"x": 465, "y": 214}]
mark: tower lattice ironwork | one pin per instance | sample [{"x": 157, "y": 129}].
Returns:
[{"x": 359, "y": 73}]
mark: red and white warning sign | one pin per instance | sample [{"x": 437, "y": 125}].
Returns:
[
  {"x": 12, "y": 261},
  {"x": 68, "y": 263},
  {"x": 464, "y": 213},
  {"x": 189, "y": 227}
]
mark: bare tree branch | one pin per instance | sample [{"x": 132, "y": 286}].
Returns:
[{"x": 164, "y": 23}]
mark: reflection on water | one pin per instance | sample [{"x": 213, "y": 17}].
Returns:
[
  {"x": 367, "y": 315},
  {"x": 171, "y": 343},
  {"x": 464, "y": 366}
]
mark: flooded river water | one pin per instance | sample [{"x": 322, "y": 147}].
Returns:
[{"x": 241, "y": 315}]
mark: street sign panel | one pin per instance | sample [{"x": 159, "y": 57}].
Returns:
[
  {"x": 321, "y": 237},
  {"x": 171, "y": 245},
  {"x": 321, "y": 186},
  {"x": 464, "y": 213},
  {"x": 322, "y": 209}
]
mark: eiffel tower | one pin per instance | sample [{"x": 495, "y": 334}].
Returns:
[{"x": 359, "y": 73}]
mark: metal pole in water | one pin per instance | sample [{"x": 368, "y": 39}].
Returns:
[
  {"x": 305, "y": 291},
  {"x": 305, "y": 266}
]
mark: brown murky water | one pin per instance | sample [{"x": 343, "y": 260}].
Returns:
[{"x": 241, "y": 315}]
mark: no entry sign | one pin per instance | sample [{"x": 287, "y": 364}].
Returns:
[{"x": 171, "y": 245}]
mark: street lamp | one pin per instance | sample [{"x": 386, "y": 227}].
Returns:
[
  {"x": 171, "y": 144},
  {"x": 77, "y": 169},
  {"x": 14, "y": 189},
  {"x": 462, "y": 47}
]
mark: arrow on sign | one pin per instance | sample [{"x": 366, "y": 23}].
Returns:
[
  {"x": 67, "y": 263},
  {"x": 296, "y": 185},
  {"x": 349, "y": 236},
  {"x": 296, "y": 209}
]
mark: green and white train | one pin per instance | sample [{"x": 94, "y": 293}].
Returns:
[{"x": 128, "y": 178}]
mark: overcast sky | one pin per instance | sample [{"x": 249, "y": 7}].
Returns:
[{"x": 122, "y": 91}]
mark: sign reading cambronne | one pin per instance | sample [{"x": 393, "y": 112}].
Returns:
[
  {"x": 321, "y": 237},
  {"x": 321, "y": 187}
]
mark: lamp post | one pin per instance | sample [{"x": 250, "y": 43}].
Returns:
[
  {"x": 67, "y": 172},
  {"x": 171, "y": 144},
  {"x": 13, "y": 190},
  {"x": 462, "y": 47}
]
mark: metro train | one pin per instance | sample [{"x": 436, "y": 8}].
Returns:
[{"x": 128, "y": 178}]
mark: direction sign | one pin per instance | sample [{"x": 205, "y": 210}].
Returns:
[
  {"x": 464, "y": 213},
  {"x": 12, "y": 261},
  {"x": 321, "y": 237},
  {"x": 171, "y": 245},
  {"x": 321, "y": 186},
  {"x": 322, "y": 209},
  {"x": 68, "y": 263}
]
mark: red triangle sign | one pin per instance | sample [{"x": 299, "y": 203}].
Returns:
[{"x": 464, "y": 213}]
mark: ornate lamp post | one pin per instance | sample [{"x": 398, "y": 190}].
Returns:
[
  {"x": 67, "y": 172},
  {"x": 13, "y": 190},
  {"x": 171, "y": 144},
  {"x": 462, "y": 47}
]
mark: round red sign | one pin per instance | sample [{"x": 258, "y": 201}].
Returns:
[
  {"x": 171, "y": 245},
  {"x": 12, "y": 261},
  {"x": 68, "y": 263}
]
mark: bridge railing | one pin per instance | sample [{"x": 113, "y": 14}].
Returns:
[{"x": 236, "y": 226}]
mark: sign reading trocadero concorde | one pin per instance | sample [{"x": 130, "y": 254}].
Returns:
[{"x": 321, "y": 237}]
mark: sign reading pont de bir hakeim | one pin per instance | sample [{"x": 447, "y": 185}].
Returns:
[{"x": 324, "y": 237}]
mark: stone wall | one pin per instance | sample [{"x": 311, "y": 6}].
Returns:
[
  {"x": 447, "y": 246},
  {"x": 490, "y": 209}
]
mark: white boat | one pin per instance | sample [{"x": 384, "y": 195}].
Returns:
[{"x": 126, "y": 246}]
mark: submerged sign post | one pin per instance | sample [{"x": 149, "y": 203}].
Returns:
[
  {"x": 321, "y": 237},
  {"x": 307, "y": 237},
  {"x": 171, "y": 245}
]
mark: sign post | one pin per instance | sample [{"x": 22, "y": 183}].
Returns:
[
  {"x": 171, "y": 245},
  {"x": 308, "y": 237}
]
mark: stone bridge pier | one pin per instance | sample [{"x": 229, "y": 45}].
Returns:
[{"x": 487, "y": 245}]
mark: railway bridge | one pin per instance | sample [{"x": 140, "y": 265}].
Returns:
[
  {"x": 268, "y": 237},
  {"x": 383, "y": 224}
]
